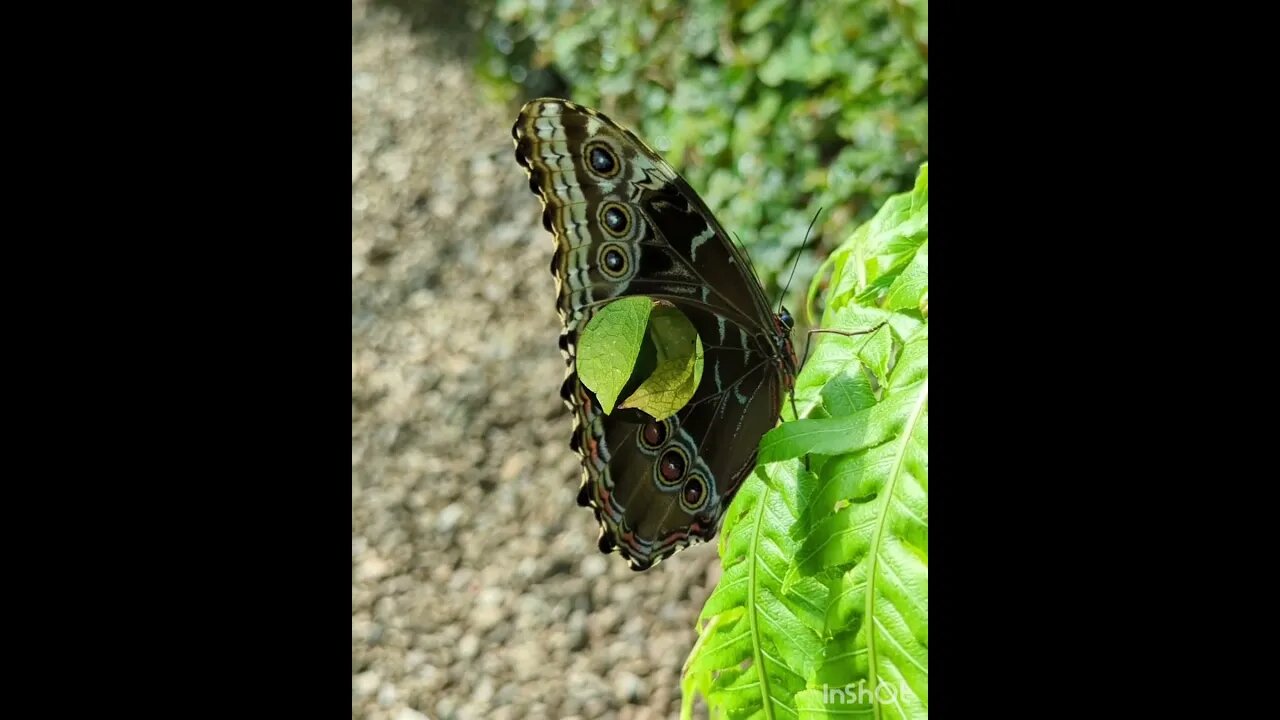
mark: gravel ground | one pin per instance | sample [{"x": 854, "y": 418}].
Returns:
[{"x": 476, "y": 587}]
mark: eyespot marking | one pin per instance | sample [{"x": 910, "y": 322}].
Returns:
[
  {"x": 614, "y": 261},
  {"x": 616, "y": 218},
  {"x": 694, "y": 493},
  {"x": 601, "y": 160}
]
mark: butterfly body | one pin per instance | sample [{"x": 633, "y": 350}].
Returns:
[{"x": 626, "y": 224}]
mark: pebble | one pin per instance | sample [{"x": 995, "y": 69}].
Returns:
[
  {"x": 468, "y": 646},
  {"x": 477, "y": 590},
  {"x": 448, "y": 518},
  {"x": 366, "y": 683},
  {"x": 593, "y": 566},
  {"x": 628, "y": 687}
]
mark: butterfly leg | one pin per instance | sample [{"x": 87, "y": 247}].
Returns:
[
  {"x": 809, "y": 339},
  {"x": 848, "y": 333}
]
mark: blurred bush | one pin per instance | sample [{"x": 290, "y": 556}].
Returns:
[{"x": 769, "y": 109}]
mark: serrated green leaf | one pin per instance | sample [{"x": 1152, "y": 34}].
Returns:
[
  {"x": 888, "y": 225},
  {"x": 837, "y": 355},
  {"x": 906, "y": 226},
  {"x": 912, "y": 364},
  {"x": 910, "y": 286},
  {"x": 852, "y": 477},
  {"x": 609, "y": 346},
  {"x": 847, "y": 393},
  {"x": 835, "y": 436},
  {"x": 885, "y": 261},
  {"x": 920, "y": 192},
  {"x": 850, "y": 276},
  {"x": 869, "y": 515},
  {"x": 861, "y": 518},
  {"x": 750, "y": 621},
  {"x": 848, "y": 661},
  {"x": 876, "y": 351}
]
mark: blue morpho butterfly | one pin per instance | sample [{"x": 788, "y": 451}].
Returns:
[{"x": 625, "y": 224}]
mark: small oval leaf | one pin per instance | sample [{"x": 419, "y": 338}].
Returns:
[{"x": 609, "y": 346}]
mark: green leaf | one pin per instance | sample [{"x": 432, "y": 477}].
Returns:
[
  {"x": 679, "y": 364},
  {"x": 646, "y": 352},
  {"x": 854, "y": 531},
  {"x": 762, "y": 13},
  {"x": 610, "y": 345},
  {"x": 905, "y": 226},
  {"x": 868, "y": 518},
  {"x": 843, "y": 701},
  {"x": 847, "y": 393},
  {"x": 853, "y": 433},
  {"x": 887, "y": 258},
  {"x": 909, "y": 287},
  {"x": 758, "y": 642},
  {"x": 836, "y": 356}
]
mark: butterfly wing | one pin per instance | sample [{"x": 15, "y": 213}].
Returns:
[{"x": 626, "y": 224}]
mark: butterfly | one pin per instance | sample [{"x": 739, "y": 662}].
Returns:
[{"x": 626, "y": 224}]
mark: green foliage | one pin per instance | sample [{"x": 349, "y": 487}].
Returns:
[
  {"x": 646, "y": 352},
  {"x": 769, "y": 109},
  {"x": 759, "y": 643},
  {"x": 822, "y": 610}
]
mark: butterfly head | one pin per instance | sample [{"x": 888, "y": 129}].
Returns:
[{"x": 786, "y": 351}]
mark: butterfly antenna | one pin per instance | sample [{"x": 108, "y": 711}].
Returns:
[{"x": 796, "y": 264}]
